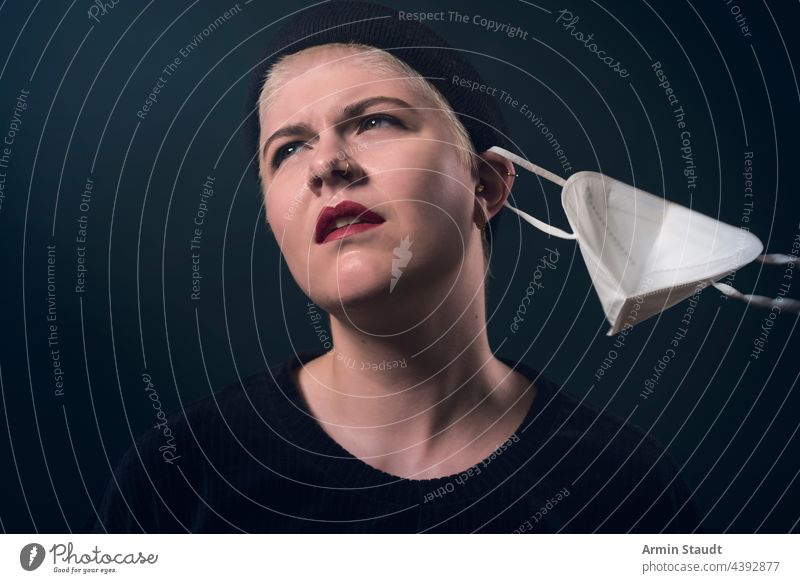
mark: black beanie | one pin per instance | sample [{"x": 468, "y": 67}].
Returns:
[{"x": 410, "y": 41}]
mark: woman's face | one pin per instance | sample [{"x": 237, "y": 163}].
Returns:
[{"x": 404, "y": 167}]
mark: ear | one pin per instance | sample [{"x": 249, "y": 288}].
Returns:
[{"x": 496, "y": 175}]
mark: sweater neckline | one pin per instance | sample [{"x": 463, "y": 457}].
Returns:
[{"x": 350, "y": 472}]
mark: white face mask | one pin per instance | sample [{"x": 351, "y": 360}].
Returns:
[{"x": 644, "y": 253}]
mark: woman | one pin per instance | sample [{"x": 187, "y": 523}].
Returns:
[{"x": 378, "y": 188}]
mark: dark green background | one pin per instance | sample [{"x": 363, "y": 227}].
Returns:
[{"x": 729, "y": 420}]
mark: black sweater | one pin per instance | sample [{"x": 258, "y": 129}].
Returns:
[{"x": 251, "y": 458}]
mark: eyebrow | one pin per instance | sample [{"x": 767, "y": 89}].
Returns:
[{"x": 348, "y": 112}]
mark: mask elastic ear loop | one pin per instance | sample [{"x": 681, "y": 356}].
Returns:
[
  {"x": 547, "y": 175},
  {"x": 777, "y": 259},
  {"x": 781, "y": 303},
  {"x": 529, "y": 165}
]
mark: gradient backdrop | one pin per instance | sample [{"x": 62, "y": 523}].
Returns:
[{"x": 727, "y": 415}]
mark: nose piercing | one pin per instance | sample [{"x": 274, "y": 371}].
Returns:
[{"x": 345, "y": 172}]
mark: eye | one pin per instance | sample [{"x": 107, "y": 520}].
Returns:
[
  {"x": 285, "y": 151},
  {"x": 369, "y": 122}
]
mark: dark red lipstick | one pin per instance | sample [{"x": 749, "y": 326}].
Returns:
[{"x": 359, "y": 217}]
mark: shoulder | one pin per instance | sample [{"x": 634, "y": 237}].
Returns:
[
  {"x": 620, "y": 464},
  {"x": 597, "y": 429},
  {"x": 248, "y": 399},
  {"x": 156, "y": 483},
  {"x": 240, "y": 415}
]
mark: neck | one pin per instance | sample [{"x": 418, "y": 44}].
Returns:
[
  {"x": 420, "y": 364},
  {"x": 425, "y": 367}
]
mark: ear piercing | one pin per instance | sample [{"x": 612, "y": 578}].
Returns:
[{"x": 481, "y": 186}]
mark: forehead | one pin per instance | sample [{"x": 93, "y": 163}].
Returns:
[{"x": 324, "y": 81}]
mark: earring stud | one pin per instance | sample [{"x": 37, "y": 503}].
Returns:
[
  {"x": 512, "y": 174},
  {"x": 481, "y": 187}
]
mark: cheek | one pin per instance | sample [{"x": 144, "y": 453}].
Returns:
[
  {"x": 434, "y": 175},
  {"x": 288, "y": 220},
  {"x": 443, "y": 202},
  {"x": 438, "y": 229},
  {"x": 285, "y": 205}
]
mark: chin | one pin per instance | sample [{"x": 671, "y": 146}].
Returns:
[{"x": 358, "y": 280}]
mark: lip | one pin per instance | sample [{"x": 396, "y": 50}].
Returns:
[{"x": 347, "y": 208}]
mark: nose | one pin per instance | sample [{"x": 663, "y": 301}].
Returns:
[{"x": 330, "y": 165}]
